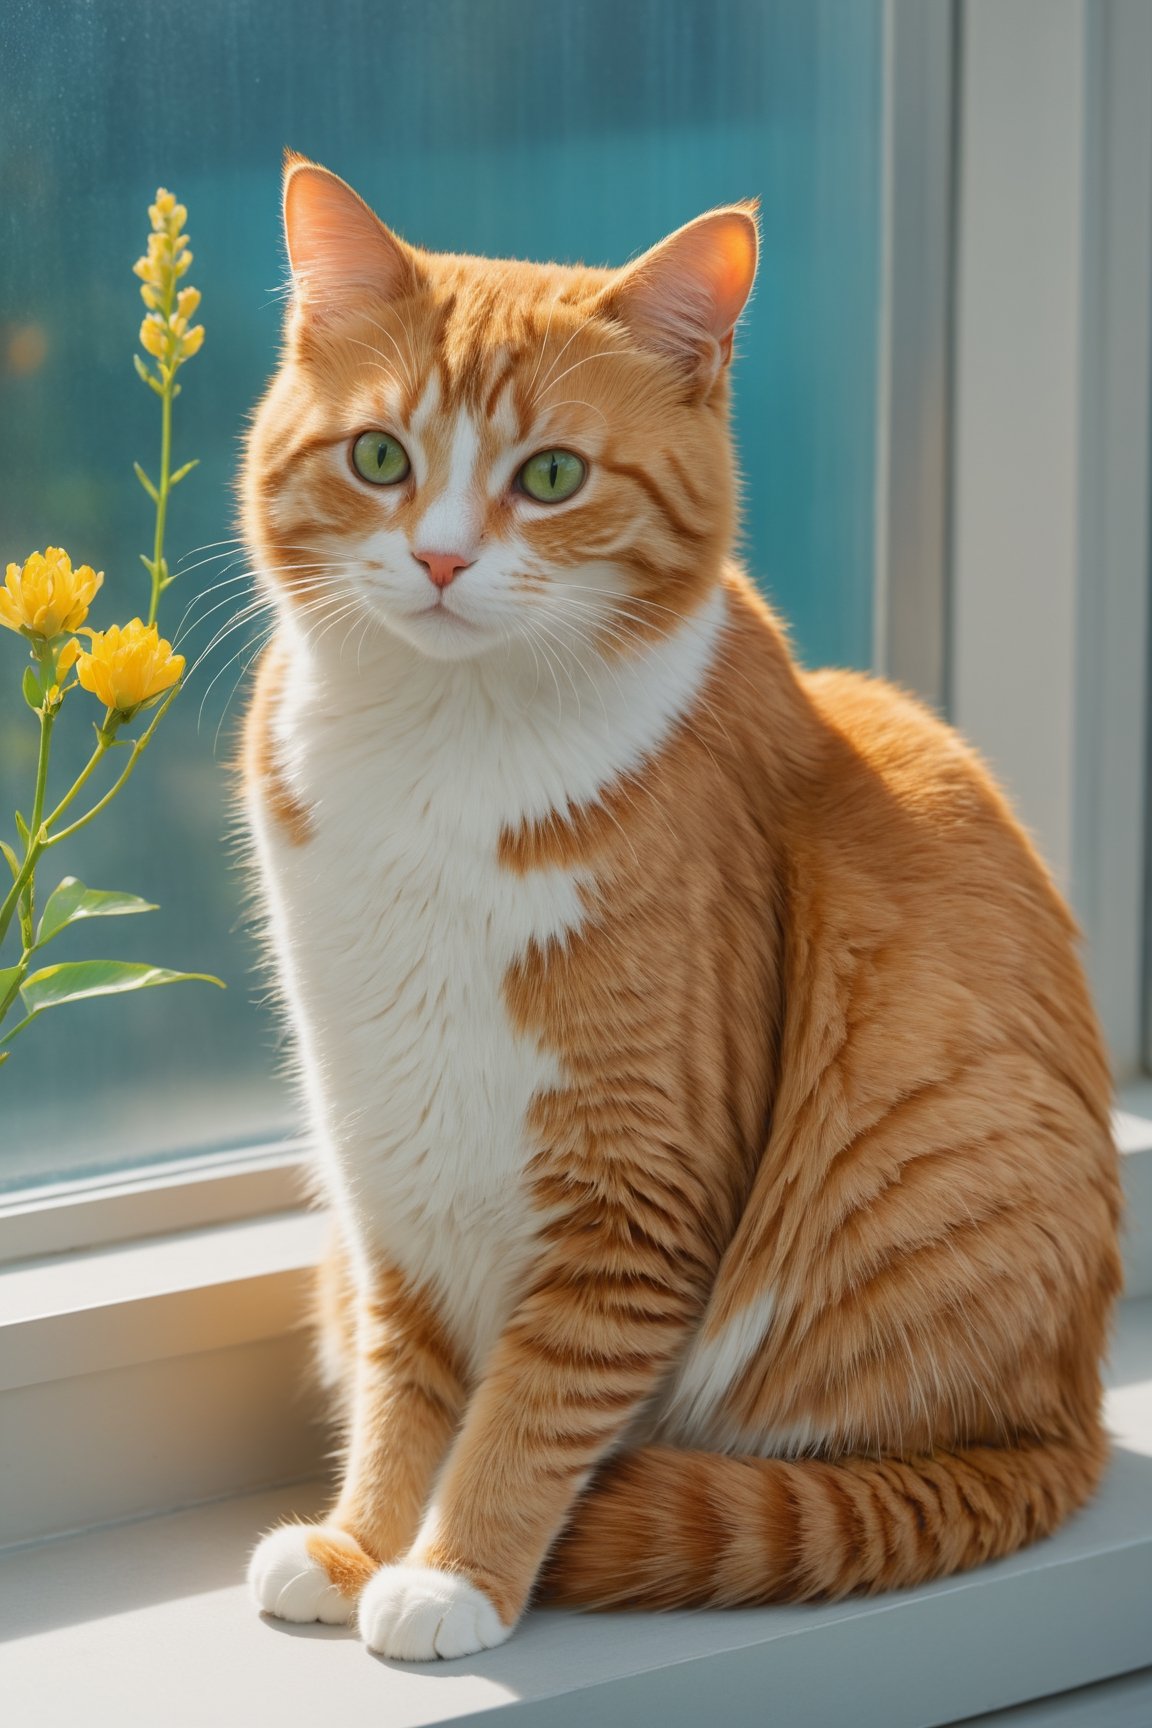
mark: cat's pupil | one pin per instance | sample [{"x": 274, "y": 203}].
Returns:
[
  {"x": 381, "y": 453},
  {"x": 553, "y": 470}
]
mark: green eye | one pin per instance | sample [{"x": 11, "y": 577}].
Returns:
[
  {"x": 379, "y": 457},
  {"x": 552, "y": 476}
]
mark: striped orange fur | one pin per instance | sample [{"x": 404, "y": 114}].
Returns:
[{"x": 804, "y": 1255}]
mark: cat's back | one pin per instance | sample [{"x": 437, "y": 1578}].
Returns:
[{"x": 928, "y": 880}]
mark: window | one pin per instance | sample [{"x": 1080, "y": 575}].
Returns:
[
  {"x": 503, "y": 128},
  {"x": 943, "y": 408}
]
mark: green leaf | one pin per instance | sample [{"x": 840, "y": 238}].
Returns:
[
  {"x": 33, "y": 694},
  {"x": 4, "y": 1055},
  {"x": 187, "y": 469},
  {"x": 71, "y": 901},
  {"x": 148, "y": 565},
  {"x": 75, "y": 980},
  {"x": 13, "y": 861},
  {"x": 7, "y": 979},
  {"x": 21, "y": 826},
  {"x": 146, "y": 483}
]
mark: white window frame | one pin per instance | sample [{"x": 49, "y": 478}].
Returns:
[
  {"x": 180, "y": 1194},
  {"x": 1050, "y": 550}
]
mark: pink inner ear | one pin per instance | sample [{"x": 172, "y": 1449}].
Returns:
[
  {"x": 689, "y": 291},
  {"x": 336, "y": 245},
  {"x": 733, "y": 253}
]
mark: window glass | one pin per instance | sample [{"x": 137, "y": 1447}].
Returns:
[{"x": 585, "y": 131}]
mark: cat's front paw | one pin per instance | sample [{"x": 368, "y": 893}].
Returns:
[
  {"x": 309, "y": 1572},
  {"x": 414, "y": 1614}
]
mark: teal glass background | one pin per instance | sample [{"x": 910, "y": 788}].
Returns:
[{"x": 493, "y": 126}]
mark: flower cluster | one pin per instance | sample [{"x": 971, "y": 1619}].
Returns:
[
  {"x": 165, "y": 332},
  {"x": 44, "y": 597},
  {"x": 128, "y": 668}
]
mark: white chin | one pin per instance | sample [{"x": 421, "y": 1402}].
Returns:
[{"x": 443, "y": 635}]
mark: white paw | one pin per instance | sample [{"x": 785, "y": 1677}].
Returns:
[
  {"x": 414, "y": 1614},
  {"x": 287, "y": 1581}
]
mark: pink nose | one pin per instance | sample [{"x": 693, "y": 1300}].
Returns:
[{"x": 442, "y": 567}]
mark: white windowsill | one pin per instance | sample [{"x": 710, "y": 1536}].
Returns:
[
  {"x": 170, "y": 1295},
  {"x": 149, "y": 1623}
]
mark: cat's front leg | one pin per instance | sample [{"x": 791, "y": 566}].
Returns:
[
  {"x": 623, "y": 1281},
  {"x": 405, "y": 1396}
]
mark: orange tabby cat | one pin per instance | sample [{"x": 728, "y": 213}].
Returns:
[{"x": 706, "y": 1090}]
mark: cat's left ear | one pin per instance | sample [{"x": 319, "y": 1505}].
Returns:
[{"x": 684, "y": 297}]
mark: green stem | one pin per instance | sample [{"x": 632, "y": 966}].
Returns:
[
  {"x": 165, "y": 485},
  {"x": 138, "y": 750},
  {"x": 28, "y": 901},
  {"x": 163, "y": 491},
  {"x": 21, "y": 882},
  {"x": 38, "y": 832},
  {"x": 96, "y": 757},
  {"x": 23, "y": 890},
  {"x": 103, "y": 744},
  {"x": 13, "y": 989}
]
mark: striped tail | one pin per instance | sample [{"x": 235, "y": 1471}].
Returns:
[{"x": 661, "y": 1528}]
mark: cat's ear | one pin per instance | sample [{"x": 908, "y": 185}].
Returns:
[
  {"x": 683, "y": 298},
  {"x": 338, "y": 248}
]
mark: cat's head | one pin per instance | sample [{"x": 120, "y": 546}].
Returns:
[{"x": 478, "y": 452}]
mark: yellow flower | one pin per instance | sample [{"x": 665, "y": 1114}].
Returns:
[
  {"x": 45, "y": 596},
  {"x": 152, "y": 334},
  {"x": 125, "y": 667},
  {"x": 164, "y": 333}
]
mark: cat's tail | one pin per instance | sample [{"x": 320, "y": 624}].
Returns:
[{"x": 661, "y": 1528}]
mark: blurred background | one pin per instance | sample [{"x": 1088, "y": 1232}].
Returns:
[{"x": 941, "y": 398}]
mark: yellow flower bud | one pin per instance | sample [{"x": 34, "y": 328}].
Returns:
[
  {"x": 45, "y": 596},
  {"x": 152, "y": 335},
  {"x": 168, "y": 338},
  {"x": 126, "y": 667}
]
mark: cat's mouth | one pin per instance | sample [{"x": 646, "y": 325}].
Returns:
[{"x": 448, "y": 617}]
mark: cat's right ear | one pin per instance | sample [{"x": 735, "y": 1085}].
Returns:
[{"x": 338, "y": 249}]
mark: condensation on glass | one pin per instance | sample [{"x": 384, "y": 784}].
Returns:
[{"x": 580, "y": 132}]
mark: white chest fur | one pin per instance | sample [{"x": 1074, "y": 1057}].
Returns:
[{"x": 395, "y": 926}]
